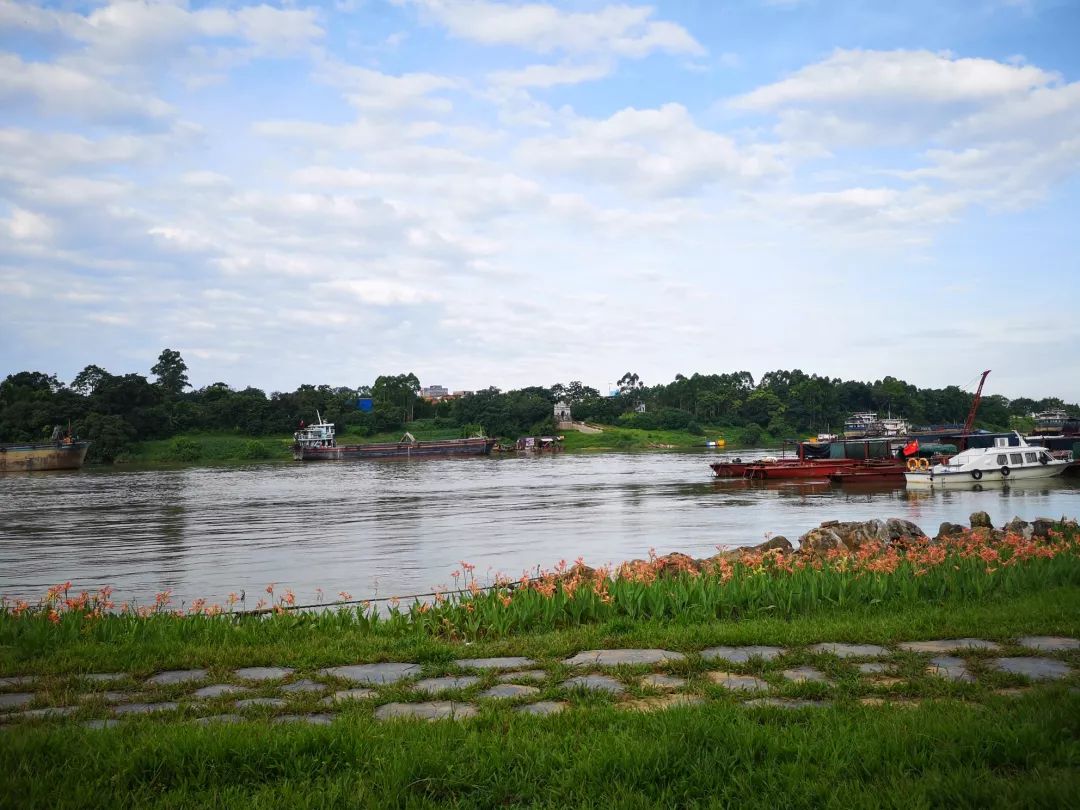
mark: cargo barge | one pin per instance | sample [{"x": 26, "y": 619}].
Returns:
[
  {"x": 317, "y": 442},
  {"x": 66, "y": 454}
]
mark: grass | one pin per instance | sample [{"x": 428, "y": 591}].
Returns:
[
  {"x": 231, "y": 448},
  {"x": 964, "y": 746}
]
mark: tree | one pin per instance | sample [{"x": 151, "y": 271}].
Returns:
[
  {"x": 400, "y": 391},
  {"x": 171, "y": 372},
  {"x": 88, "y": 380}
]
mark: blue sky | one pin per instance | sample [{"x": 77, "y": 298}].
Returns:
[{"x": 507, "y": 193}]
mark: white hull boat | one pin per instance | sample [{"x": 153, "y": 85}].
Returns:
[{"x": 986, "y": 465}]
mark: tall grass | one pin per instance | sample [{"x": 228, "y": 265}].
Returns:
[{"x": 968, "y": 568}]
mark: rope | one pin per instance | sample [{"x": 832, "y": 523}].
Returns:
[{"x": 342, "y": 602}]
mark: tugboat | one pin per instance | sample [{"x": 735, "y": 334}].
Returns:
[
  {"x": 62, "y": 452},
  {"x": 1006, "y": 461},
  {"x": 317, "y": 442}
]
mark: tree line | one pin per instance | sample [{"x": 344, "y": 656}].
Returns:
[{"x": 114, "y": 411}]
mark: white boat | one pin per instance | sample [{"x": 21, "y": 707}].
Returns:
[{"x": 999, "y": 464}]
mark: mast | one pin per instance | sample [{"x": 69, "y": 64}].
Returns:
[{"x": 974, "y": 406}]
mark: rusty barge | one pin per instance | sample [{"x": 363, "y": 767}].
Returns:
[
  {"x": 67, "y": 454},
  {"x": 317, "y": 442}
]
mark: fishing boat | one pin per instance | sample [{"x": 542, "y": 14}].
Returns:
[
  {"x": 317, "y": 442},
  {"x": 64, "y": 452},
  {"x": 1006, "y": 461}
]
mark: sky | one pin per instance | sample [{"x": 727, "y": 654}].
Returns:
[{"x": 520, "y": 193}]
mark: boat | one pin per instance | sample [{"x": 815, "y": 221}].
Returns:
[
  {"x": 1055, "y": 423},
  {"x": 871, "y": 472},
  {"x": 317, "y": 442},
  {"x": 726, "y": 468},
  {"x": 1006, "y": 461},
  {"x": 798, "y": 468},
  {"x": 63, "y": 452},
  {"x": 860, "y": 425}
]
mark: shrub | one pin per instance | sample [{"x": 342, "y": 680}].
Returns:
[
  {"x": 185, "y": 449},
  {"x": 254, "y": 450}
]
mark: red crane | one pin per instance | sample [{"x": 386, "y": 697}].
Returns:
[{"x": 974, "y": 406}]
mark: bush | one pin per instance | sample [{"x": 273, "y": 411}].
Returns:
[
  {"x": 695, "y": 428},
  {"x": 254, "y": 450},
  {"x": 185, "y": 449},
  {"x": 751, "y": 435}
]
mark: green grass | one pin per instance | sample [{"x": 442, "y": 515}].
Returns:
[
  {"x": 964, "y": 746},
  {"x": 211, "y": 448},
  {"x": 620, "y": 438}
]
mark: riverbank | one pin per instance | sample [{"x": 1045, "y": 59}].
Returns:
[
  {"x": 868, "y": 666},
  {"x": 228, "y": 448}
]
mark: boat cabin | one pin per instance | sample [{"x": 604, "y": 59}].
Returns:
[{"x": 320, "y": 434}]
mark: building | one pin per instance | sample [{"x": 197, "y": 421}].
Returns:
[
  {"x": 562, "y": 412},
  {"x": 434, "y": 392}
]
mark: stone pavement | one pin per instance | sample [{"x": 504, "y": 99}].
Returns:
[{"x": 756, "y": 676}]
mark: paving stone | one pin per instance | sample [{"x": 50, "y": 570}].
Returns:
[
  {"x": 887, "y": 701},
  {"x": 310, "y": 719},
  {"x": 374, "y": 674},
  {"x": 612, "y": 658},
  {"x": 435, "y": 685},
  {"x": 176, "y": 676},
  {"x": 432, "y": 710},
  {"x": 217, "y": 690},
  {"x": 873, "y": 668},
  {"x": 652, "y": 704},
  {"x": 885, "y": 681},
  {"x": 214, "y": 719},
  {"x": 103, "y": 677},
  {"x": 787, "y": 703},
  {"x": 663, "y": 681},
  {"x": 16, "y": 681},
  {"x": 101, "y": 723},
  {"x": 739, "y": 683},
  {"x": 526, "y": 675},
  {"x": 145, "y": 708},
  {"x": 495, "y": 663},
  {"x": 1049, "y": 643},
  {"x": 806, "y": 675},
  {"x": 249, "y": 703},
  {"x": 49, "y": 711},
  {"x": 13, "y": 700},
  {"x": 948, "y": 645},
  {"x": 740, "y": 655},
  {"x": 1038, "y": 669},
  {"x": 946, "y": 666},
  {"x": 107, "y": 697},
  {"x": 510, "y": 690},
  {"x": 850, "y": 650},
  {"x": 263, "y": 673},
  {"x": 349, "y": 694},
  {"x": 598, "y": 683},
  {"x": 304, "y": 685},
  {"x": 541, "y": 708}
]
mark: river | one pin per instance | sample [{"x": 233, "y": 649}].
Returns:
[{"x": 392, "y": 527}]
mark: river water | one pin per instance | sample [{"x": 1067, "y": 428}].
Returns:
[{"x": 392, "y": 527}]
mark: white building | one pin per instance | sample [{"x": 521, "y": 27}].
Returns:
[{"x": 562, "y": 412}]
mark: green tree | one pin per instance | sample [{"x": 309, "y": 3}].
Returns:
[
  {"x": 400, "y": 391},
  {"x": 171, "y": 372}
]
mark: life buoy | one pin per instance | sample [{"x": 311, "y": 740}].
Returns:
[
  {"x": 1005, "y": 472},
  {"x": 924, "y": 464},
  {"x": 976, "y": 474},
  {"x": 912, "y": 464}
]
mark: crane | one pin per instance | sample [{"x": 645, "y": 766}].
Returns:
[{"x": 974, "y": 406}]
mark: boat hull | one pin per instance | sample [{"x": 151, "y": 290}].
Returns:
[
  {"x": 42, "y": 457},
  {"x": 965, "y": 479},
  {"x": 799, "y": 469},
  {"x": 407, "y": 450}
]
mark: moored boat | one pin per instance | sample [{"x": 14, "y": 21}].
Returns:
[
  {"x": 318, "y": 442},
  {"x": 1008, "y": 460},
  {"x": 67, "y": 453}
]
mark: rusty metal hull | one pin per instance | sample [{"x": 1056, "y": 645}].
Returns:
[
  {"x": 42, "y": 457},
  {"x": 351, "y": 452}
]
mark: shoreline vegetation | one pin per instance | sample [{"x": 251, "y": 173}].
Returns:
[
  {"x": 131, "y": 418},
  {"x": 904, "y": 670},
  {"x": 227, "y": 448}
]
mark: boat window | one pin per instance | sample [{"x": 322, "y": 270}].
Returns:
[
  {"x": 1047, "y": 456},
  {"x": 1016, "y": 458},
  {"x": 1030, "y": 458},
  {"x": 1002, "y": 460}
]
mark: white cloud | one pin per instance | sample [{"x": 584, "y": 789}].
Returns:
[
  {"x": 56, "y": 90},
  {"x": 545, "y": 76},
  {"x": 371, "y": 91},
  {"x": 616, "y": 29},
  {"x": 380, "y": 292},
  {"x": 27, "y": 226},
  {"x": 880, "y": 78}
]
